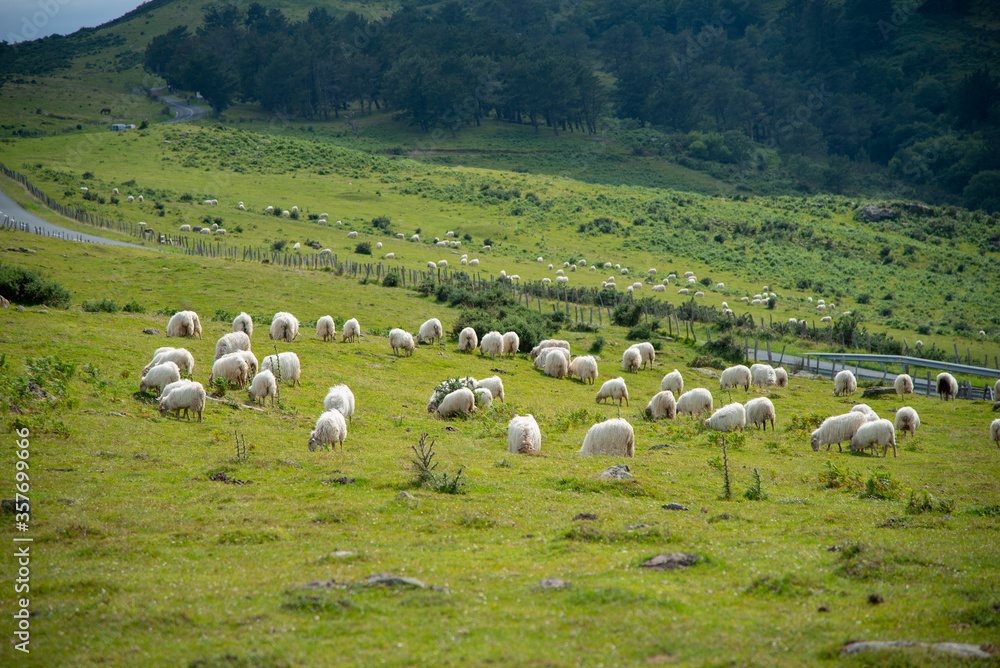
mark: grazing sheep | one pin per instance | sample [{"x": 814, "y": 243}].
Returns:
[
  {"x": 339, "y": 398},
  {"x": 401, "y": 340},
  {"x": 511, "y": 344},
  {"x": 233, "y": 367},
  {"x": 185, "y": 228},
  {"x": 159, "y": 376},
  {"x": 559, "y": 272},
  {"x": 907, "y": 420},
  {"x": 415, "y": 238},
  {"x": 284, "y": 327},
  {"x": 659, "y": 288},
  {"x": 184, "y": 323},
  {"x": 230, "y": 343},
  {"x": 378, "y": 245},
  {"x": 682, "y": 291},
  {"x": 352, "y": 235},
  {"x": 474, "y": 263},
  {"x": 263, "y": 386},
  {"x": 179, "y": 356},
  {"x": 760, "y": 411},
  {"x": 613, "y": 389},
  {"x": 243, "y": 323},
  {"x": 460, "y": 402},
  {"x": 544, "y": 355},
  {"x": 523, "y": 436},
  {"x": 844, "y": 383},
  {"x": 431, "y": 331},
  {"x": 873, "y": 434},
  {"x": 947, "y": 386},
  {"x": 297, "y": 246},
  {"x": 995, "y": 431},
  {"x": 862, "y": 408},
  {"x": 562, "y": 279},
  {"x": 662, "y": 405},
  {"x": 241, "y": 207},
  {"x": 780, "y": 377},
  {"x": 646, "y": 352},
  {"x": 186, "y": 396},
  {"x": 836, "y": 429},
  {"x": 762, "y": 375},
  {"x": 826, "y": 318},
  {"x": 556, "y": 365},
  {"x": 431, "y": 266},
  {"x": 331, "y": 429},
  {"x": 728, "y": 418},
  {"x": 735, "y": 376},
  {"x": 548, "y": 343},
  {"x": 351, "y": 332},
  {"x": 699, "y": 294},
  {"x": 468, "y": 340},
  {"x": 492, "y": 344},
  {"x": 483, "y": 397},
  {"x": 903, "y": 384},
  {"x": 442, "y": 263},
  {"x": 695, "y": 402},
  {"x": 286, "y": 367},
  {"x": 326, "y": 328},
  {"x": 250, "y": 359},
  {"x": 494, "y": 384},
  {"x": 674, "y": 382},
  {"x": 631, "y": 360},
  {"x": 612, "y": 438},
  {"x": 583, "y": 367},
  {"x": 130, "y": 199},
  {"x": 390, "y": 256}
]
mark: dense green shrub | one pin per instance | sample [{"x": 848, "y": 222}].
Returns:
[
  {"x": 392, "y": 279},
  {"x": 103, "y": 306},
  {"x": 29, "y": 288},
  {"x": 363, "y": 248}
]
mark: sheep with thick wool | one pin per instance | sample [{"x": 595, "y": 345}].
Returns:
[
  {"x": 735, "y": 376},
  {"x": 662, "y": 405},
  {"x": 400, "y": 339},
  {"x": 339, "y": 398},
  {"x": 326, "y": 328},
  {"x": 524, "y": 436},
  {"x": 492, "y": 344},
  {"x": 646, "y": 353},
  {"x": 468, "y": 340},
  {"x": 251, "y": 361},
  {"x": 184, "y": 323},
  {"x": 159, "y": 376},
  {"x": 494, "y": 384},
  {"x": 511, "y": 344},
  {"x": 612, "y": 438},
  {"x": 233, "y": 367},
  {"x": 483, "y": 397},
  {"x": 844, "y": 383},
  {"x": 780, "y": 377},
  {"x": 548, "y": 343},
  {"x": 874, "y": 434},
  {"x": 762, "y": 375},
  {"x": 760, "y": 411},
  {"x": 187, "y": 396},
  {"x": 556, "y": 365},
  {"x": 728, "y": 418},
  {"x": 179, "y": 356},
  {"x": 995, "y": 431},
  {"x": 863, "y": 408},
  {"x": 674, "y": 382},
  {"x": 903, "y": 384},
  {"x": 263, "y": 386},
  {"x": 837, "y": 429},
  {"x": 907, "y": 420},
  {"x": 285, "y": 367},
  {"x": 284, "y": 327},
  {"x": 694, "y": 402},
  {"x": 584, "y": 367},
  {"x": 539, "y": 362},
  {"x": 243, "y": 323},
  {"x": 331, "y": 429},
  {"x": 230, "y": 343},
  {"x": 431, "y": 331},
  {"x": 947, "y": 386},
  {"x": 460, "y": 402},
  {"x": 613, "y": 389},
  {"x": 351, "y": 331},
  {"x": 631, "y": 360}
]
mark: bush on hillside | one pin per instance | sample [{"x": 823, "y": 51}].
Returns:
[{"x": 29, "y": 288}]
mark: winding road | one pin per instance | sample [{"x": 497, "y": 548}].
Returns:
[{"x": 182, "y": 110}]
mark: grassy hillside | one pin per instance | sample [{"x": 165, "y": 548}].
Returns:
[{"x": 138, "y": 553}]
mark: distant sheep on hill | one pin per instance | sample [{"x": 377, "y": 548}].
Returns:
[
  {"x": 230, "y": 343},
  {"x": 511, "y": 344},
  {"x": 584, "y": 368}
]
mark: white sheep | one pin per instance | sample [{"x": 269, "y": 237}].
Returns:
[
  {"x": 559, "y": 272},
  {"x": 431, "y": 330},
  {"x": 159, "y": 376},
  {"x": 544, "y": 354},
  {"x": 659, "y": 288},
  {"x": 263, "y": 386},
  {"x": 836, "y": 429},
  {"x": 431, "y": 265},
  {"x": 662, "y": 405},
  {"x": 351, "y": 331},
  {"x": 390, "y": 256},
  {"x": 863, "y": 408},
  {"x": 487, "y": 248},
  {"x": 548, "y": 343},
  {"x": 297, "y": 246},
  {"x": 762, "y": 375},
  {"x": 415, "y": 238},
  {"x": 735, "y": 376},
  {"x": 251, "y": 361},
  {"x": 523, "y": 435},
  {"x": 474, "y": 262},
  {"x": 826, "y": 318},
  {"x": 844, "y": 383},
  {"x": 186, "y": 396},
  {"x": 378, "y": 245},
  {"x": 241, "y": 207},
  {"x": 780, "y": 377},
  {"x": 339, "y": 398},
  {"x": 460, "y": 402},
  {"x": 185, "y": 228},
  {"x": 511, "y": 344},
  {"x": 728, "y": 418},
  {"x": 760, "y": 411},
  {"x": 720, "y": 285},
  {"x": 230, "y": 343},
  {"x": 584, "y": 367},
  {"x": 646, "y": 352},
  {"x": 695, "y": 402},
  {"x": 483, "y": 397},
  {"x": 331, "y": 429},
  {"x": 286, "y": 213},
  {"x": 284, "y": 327},
  {"x": 613, "y": 389},
  {"x": 442, "y": 263},
  {"x": 269, "y": 209},
  {"x": 286, "y": 367},
  {"x": 326, "y": 328},
  {"x": 179, "y": 356},
  {"x": 494, "y": 384},
  {"x": 903, "y": 384},
  {"x": 562, "y": 280},
  {"x": 556, "y": 365},
  {"x": 674, "y": 382},
  {"x": 214, "y": 201},
  {"x": 243, "y": 323},
  {"x": 995, "y": 431},
  {"x": 467, "y": 340},
  {"x": 612, "y": 438},
  {"x": 631, "y": 360},
  {"x": 324, "y": 216},
  {"x": 492, "y": 344},
  {"x": 699, "y": 294},
  {"x": 682, "y": 291},
  {"x": 873, "y": 434},
  {"x": 129, "y": 199},
  {"x": 233, "y": 367},
  {"x": 947, "y": 386},
  {"x": 400, "y": 339},
  {"x": 907, "y": 420},
  {"x": 184, "y": 323}
]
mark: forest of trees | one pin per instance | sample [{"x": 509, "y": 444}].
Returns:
[{"x": 825, "y": 81}]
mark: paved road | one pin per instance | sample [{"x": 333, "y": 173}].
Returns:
[{"x": 182, "y": 110}]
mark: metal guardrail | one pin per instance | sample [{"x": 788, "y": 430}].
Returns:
[{"x": 950, "y": 367}]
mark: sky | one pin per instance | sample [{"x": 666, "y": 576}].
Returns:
[{"x": 24, "y": 20}]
